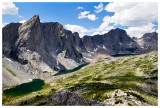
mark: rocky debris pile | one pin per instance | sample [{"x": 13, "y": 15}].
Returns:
[
  {"x": 13, "y": 73},
  {"x": 122, "y": 98},
  {"x": 68, "y": 98}
]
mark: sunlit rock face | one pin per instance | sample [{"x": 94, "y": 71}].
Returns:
[
  {"x": 37, "y": 45},
  {"x": 49, "y": 47}
]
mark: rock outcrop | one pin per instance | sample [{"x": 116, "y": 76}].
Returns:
[
  {"x": 9, "y": 38},
  {"x": 148, "y": 42},
  {"x": 122, "y": 98},
  {"x": 93, "y": 43},
  {"x": 78, "y": 42},
  {"x": 68, "y": 98},
  {"x": 48, "y": 47},
  {"x": 37, "y": 45},
  {"x": 116, "y": 41}
]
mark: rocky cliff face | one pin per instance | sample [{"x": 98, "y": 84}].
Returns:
[
  {"x": 9, "y": 37},
  {"x": 41, "y": 46},
  {"x": 116, "y": 41},
  {"x": 78, "y": 42},
  {"x": 93, "y": 43},
  {"x": 148, "y": 42},
  {"x": 49, "y": 47}
]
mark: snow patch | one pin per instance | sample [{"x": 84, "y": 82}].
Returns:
[
  {"x": 9, "y": 59},
  {"x": 58, "y": 67},
  {"x": 130, "y": 43},
  {"x": 58, "y": 64},
  {"x": 90, "y": 52},
  {"x": 88, "y": 58},
  {"x": 89, "y": 55},
  {"x": 104, "y": 47},
  {"x": 95, "y": 49},
  {"x": 30, "y": 79}
]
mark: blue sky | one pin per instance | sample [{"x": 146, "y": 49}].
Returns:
[
  {"x": 87, "y": 18},
  {"x": 65, "y": 13}
]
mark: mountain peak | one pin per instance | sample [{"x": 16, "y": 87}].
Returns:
[
  {"x": 76, "y": 34},
  {"x": 35, "y": 17},
  {"x": 33, "y": 20},
  {"x": 152, "y": 35},
  {"x": 118, "y": 29}
]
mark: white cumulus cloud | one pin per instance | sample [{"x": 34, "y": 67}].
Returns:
[
  {"x": 105, "y": 25},
  {"x": 133, "y": 13},
  {"x": 138, "y": 16},
  {"x": 92, "y": 17},
  {"x": 9, "y": 8},
  {"x": 86, "y": 14},
  {"x": 83, "y": 14},
  {"x": 76, "y": 28},
  {"x": 22, "y": 21},
  {"x": 95, "y": 33},
  {"x": 80, "y": 7},
  {"x": 139, "y": 31},
  {"x": 84, "y": 31},
  {"x": 99, "y": 8}
]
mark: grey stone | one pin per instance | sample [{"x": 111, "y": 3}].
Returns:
[
  {"x": 68, "y": 98},
  {"x": 37, "y": 45},
  {"x": 116, "y": 41},
  {"x": 148, "y": 42}
]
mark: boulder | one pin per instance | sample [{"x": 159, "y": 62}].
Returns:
[{"x": 68, "y": 98}]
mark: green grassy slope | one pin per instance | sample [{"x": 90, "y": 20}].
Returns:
[{"x": 130, "y": 80}]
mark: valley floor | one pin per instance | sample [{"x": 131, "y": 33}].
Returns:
[{"x": 116, "y": 81}]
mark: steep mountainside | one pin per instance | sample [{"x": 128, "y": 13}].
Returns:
[
  {"x": 41, "y": 46},
  {"x": 36, "y": 50},
  {"x": 149, "y": 41},
  {"x": 78, "y": 42},
  {"x": 116, "y": 41},
  {"x": 115, "y": 81}
]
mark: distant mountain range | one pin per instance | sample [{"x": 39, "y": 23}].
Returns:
[{"x": 49, "y": 47}]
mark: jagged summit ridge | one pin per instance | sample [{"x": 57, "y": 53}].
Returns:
[
  {"x": 149, "y": 42},
  {"x": 41, "y": 46},
  {"x": 116, "y": 41},
  {"x": 49, "y": 47}
]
